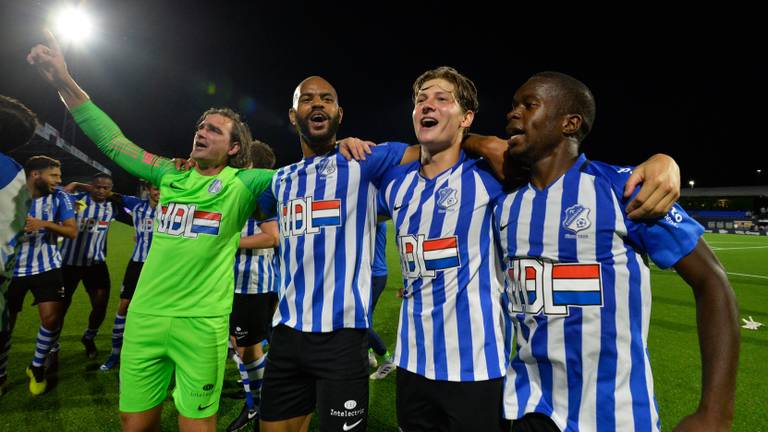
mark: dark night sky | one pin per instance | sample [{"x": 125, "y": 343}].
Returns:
[{"x": 687, "y": 85}]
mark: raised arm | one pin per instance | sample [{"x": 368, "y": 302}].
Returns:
[
  {"x": 718, "y": 329},
  {"x": 49, "y": 62}
]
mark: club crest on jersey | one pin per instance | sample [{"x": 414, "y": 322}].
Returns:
[
  {"x": 447, "y": 198},
  {"x": 302, "y": 216},
  {"x": 326, "y": 167},
  {"x": 422, "y": 257},
  {"x": 215, "y": 187},
  {"x": 185, "y": 220},
  {"x": 576, "y": 218}
]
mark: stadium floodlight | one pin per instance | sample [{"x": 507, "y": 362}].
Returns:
[
  {"x": 691, "y": 183},
  {"x": 73, "y": 24}
]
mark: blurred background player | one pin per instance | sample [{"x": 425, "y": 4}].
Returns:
[
  {"x": 256, "y": 281},
  {"x": 17, "y": 126},
  {"x": 142, "y": 213},
  {"x": 38, "y": 262},
  {"x": 84, "y": 258},
  {"x": 376, "y": 345}
]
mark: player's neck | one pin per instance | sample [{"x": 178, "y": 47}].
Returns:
[
  {"x": 435, "y": 158},
  {"x": 550, "y": 167},
  {"x": 318, "y": 148},
  {"x": 205, "y": 168}
]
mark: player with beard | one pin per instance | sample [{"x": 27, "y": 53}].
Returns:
[
  {"x": 38, "y": 262},
  {"x": 326, "y": 213}
]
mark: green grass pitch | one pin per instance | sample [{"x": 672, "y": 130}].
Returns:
[{"x": 85, "y": 399}]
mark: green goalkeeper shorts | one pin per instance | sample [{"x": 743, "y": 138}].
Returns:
[{"x": 154, "y": 346}]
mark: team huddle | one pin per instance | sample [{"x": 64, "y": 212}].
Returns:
[{"x": 526, "y": 282}]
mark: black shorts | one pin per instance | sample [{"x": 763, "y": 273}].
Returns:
[
  {"x": 430, "y": 405},
  {"x": 94, "y": 277},
  {"x": 46, "y": 287},
  {"x": 250, "y": 318},
  {"x": 130, "y": 279},
  {"x": 534, "y": 422},
  {"x": 327, "y": 370}
]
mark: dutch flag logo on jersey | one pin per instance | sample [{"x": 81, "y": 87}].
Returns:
[
  {"x": 576, "y": 284},
  {"x": 206, "y": 223},
  {"x": 422, "y": 258},
  {"x": 102, "y": 226},
  {"x": 326, "y": 213}
]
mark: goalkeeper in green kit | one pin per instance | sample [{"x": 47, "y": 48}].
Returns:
[{"x": 180, "y": 310}]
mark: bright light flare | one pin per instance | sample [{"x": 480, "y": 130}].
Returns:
[{"x": 73, "y": 24}]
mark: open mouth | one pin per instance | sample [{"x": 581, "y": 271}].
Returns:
[
  {"x": 428, "y": 122},
  {"x": 200, "y": 145},
  {"x": 514, "y": 132},
  {"x": 318, "y": 118}
]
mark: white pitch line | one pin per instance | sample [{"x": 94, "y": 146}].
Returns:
[
  {"x": 748, "y": 275},
  {"x": 739, "y": 248}
]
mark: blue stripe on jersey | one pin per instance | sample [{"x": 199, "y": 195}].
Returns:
[
  {"x": 522, "y": 379},
  {"x": 379, "y": 267},
  {"x": 319, "y": 268},
  {"x": 362, "y": 218},
  {"x": 463, "y": 317},
  {"x": 637, "y": 385},
  {"x": 282, "y": 307},
  {"x": 400, "y": 217},
  {"x": 299, "y": 282},
  {"x": 418, "y": 325},
  {"x": 90, "y": 244},
  {"x": 489, "y": 321},
  {"x": 143, "y": 215},
  {"x": 254, "y": 271},
  {"x": 573, "y": 322},
  {"x": 607, "y": 363},
  {"x": 539, "y": 340},
  {"x": 38, "y": 252},
  {"x": 462, "y": 307}
]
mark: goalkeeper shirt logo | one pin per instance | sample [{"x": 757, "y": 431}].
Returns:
[{"x": 185, "y": 220}]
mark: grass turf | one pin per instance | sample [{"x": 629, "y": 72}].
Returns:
[{"x": 84, "y": 399}]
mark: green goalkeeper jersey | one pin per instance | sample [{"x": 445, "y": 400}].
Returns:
[{"x": 188, "y": 271}]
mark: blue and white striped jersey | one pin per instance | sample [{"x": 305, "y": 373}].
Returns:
[
  {"x": 579, "y": 294},
  {"x": 255, "y": 269},
  {"x": 451, "y": 319},
  {"x": 143, "y": 215},
  {"x": 38, "y": 251},
  {"x": 380, "y": 255},
  {"x": 92, "y": 224},
  {"x": 326, "y": 212},
  {"x": 14, "y": 203}
]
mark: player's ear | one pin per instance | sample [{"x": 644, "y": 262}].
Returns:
[
  {"x": 571, "y": 123},
  {"x": 234, "y": 148},
  {"x": 292, "y": 115}
]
